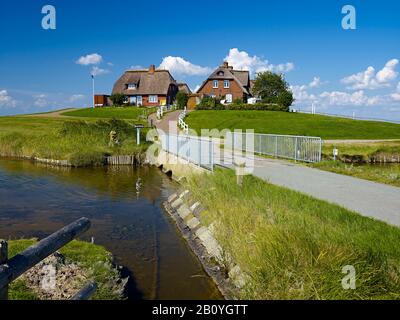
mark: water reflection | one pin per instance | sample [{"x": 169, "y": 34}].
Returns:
[{"x": 124, "y": 205}]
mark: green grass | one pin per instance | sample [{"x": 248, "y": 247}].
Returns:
[
  {"x": 81, "y": 142},
  {"x": 293, "y": 246},
  {"x": 388, "y": 173},
  {"x": 275, "y": 122},
  {"x": 95, "y": 259},
  {"x": 364, "y": 153},
  {"x": 112, "y": 112},
  {"x": 365, "y": 150}
]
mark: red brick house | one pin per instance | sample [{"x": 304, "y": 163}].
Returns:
[
  {"x": 227, "y": 83},
  {"x": 147, "y": 88}
]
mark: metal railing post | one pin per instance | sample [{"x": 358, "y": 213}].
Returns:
[
  {"x": 212, "y": 155},
  {"x": 3, "y": 260}
]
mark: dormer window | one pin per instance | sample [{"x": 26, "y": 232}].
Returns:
[
  {"x": 220, "y": 73},
  {"x": 132, "y": 86},
  {"x": 215, "y": 84}
]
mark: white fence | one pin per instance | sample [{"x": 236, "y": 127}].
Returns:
[
  {"x": 199, "y": 151},
  {"x": 181, "y": 122},
  {"x": 299, "y": 148}
]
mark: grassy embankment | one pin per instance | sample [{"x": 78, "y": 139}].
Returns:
[
  {"x": 80, "y": 142},
  {"x": 364, "y": 154},
  {"x": 133, "y": 113},
  {"x": 94, "y": 259},
  {"x": 293, "y": 246},
  {"x": 275, "y": 122}
]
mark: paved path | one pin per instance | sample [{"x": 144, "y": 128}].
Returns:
[
  {"x": 169, "y": 123},
  {"x": 368, "y": 198},
  {"x": 54, "y": 114}
]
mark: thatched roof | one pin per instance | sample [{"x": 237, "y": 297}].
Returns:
[
  {"x": 147, "y": 82},
  {"x": 184, "y": 87}
]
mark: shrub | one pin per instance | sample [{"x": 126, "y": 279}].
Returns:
[
  {"x": 118, "y": 99},
  {"x": 182, "y": 99},
  {"x": 210, "y": 103},
  {"x": 243, "y": 107}
]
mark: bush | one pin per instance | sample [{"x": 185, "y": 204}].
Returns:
[
  {"x": 182, "y": 99},
  {"x": 210, "y": 103},
  {"x": 118, "y": 99},
  {"x": 243, "y": 107}
]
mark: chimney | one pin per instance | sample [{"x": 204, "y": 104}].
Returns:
[
  {"x": 152, "y": 69},
  {"x": 225, "y": 64}
]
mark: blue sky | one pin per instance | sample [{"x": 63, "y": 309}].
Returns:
[{"x": 340, "y": 71}]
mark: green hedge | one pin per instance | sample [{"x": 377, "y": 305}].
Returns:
[{"x": 244, "y": 106}]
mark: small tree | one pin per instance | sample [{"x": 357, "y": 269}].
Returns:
[
  {"x": 118, "y": 99},
  {"x": 182, "y": 99},
  {"x": 273, "y": 88}
]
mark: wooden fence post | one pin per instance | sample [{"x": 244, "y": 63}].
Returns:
[{"x": 3, "y": 260}]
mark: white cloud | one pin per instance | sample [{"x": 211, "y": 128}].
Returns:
[
  {"x": 96, "y": 71},
  {"x": 370, "y": 79},
  {"x": 301, "y": 95},
  {"x": 315, "y": 83},
  {"x": 90, "y": 59},
  {"x": 396, "y": 95},
  {"x": 241, "y": 60},
  {"x": 40, "y": 101},
  {"x": 76, "y": 97},
  {"x": 179, "y": 66},
  {"x": 6, "y": 100},
  {"x": 358, "y": 98}
]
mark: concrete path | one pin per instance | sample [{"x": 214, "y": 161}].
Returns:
[
  {"x": 168, "y": 124},
  {"x": 53, "y": 114},
  {"x": 368, "y": 198}
]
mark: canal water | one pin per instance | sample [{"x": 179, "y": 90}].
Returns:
[{"x": 36, "y": 200}]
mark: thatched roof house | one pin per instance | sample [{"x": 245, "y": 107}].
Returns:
[{"x": 152, "y": 87}]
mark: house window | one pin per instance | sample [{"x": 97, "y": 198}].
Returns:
[
  {"x": 215, "y": 84},
  {"x": 131, "y": 86},
  {"x": 228, "y": 98},
  {"x": 153, "y": 99},
  {"x": 226, "y": 84}
]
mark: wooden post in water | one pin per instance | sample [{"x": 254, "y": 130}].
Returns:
[{"x": 3, "y": 260}]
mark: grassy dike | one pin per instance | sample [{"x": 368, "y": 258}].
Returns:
[
  {"x": 82, "y": 143},
  {"x": 292, "y": 246},
  {"x": 290, "y": 123},
  {"x": 95, "y": 260}
]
